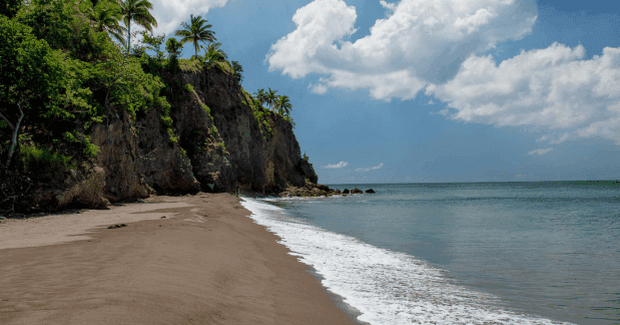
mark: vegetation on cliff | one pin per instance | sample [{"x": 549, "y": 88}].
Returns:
[{"x": 81, "y": 107}]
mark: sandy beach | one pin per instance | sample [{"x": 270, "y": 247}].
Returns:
[{"x": 178, "y": 260}]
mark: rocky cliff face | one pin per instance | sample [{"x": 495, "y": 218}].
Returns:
[{"x": 221, "y": 146}]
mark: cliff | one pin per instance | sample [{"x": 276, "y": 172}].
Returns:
[{"x": 222, "y": 142}]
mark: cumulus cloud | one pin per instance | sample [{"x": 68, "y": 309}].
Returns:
[
  {"x": 540, "y": 152},
  {"x": 341, "y": 164},
  {"x": 553, "y": 88},
  {"x": 419, "y": 42},
  {"x": 367, "y": 169},
  {"x": 170, "y": 14}
]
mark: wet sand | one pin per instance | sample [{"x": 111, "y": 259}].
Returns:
[{"x": 206, "y": 262}]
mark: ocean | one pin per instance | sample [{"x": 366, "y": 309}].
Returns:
[{"x": 461, "y": 253}]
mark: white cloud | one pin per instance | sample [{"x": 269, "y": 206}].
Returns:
[
  {"x": 553, "y": 88},
  {"x": 341, "y": 164},
  {"x": 540, "y": 152},
  {"x": 377, "y": 167},
  {"x": 367, "y": 169},
  {"x": 170, "y": 14},
  {"x": 419, "y": 42}
]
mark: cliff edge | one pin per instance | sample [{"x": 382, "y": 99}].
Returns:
[{"x": 222, "y": 140}]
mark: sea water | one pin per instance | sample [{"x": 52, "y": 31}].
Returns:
[{"x": 469, "y": 253}]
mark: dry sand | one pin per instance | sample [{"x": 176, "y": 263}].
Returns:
[{"x": 205, "y": 263}]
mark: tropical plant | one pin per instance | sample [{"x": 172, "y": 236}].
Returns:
[
  {"x": 154, "y": 43},
  {"x": 214, "y": 54},
  {"x": 106, "y": 19},
  {"x": 271, "y": 98},
  {"x": 174, "y": 47},
  {"x": 198, "y": 30},
  {"x": 136, "y": 11},
  {"x": 261, "y": 96},
  {"x": 283, "y": 105},
  {"x": 10, "y": 7},
  {"x": 237, "y": 70}
]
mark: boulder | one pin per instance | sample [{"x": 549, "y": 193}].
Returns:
[
  {"x": 356, "y": 191},
  {"x": 370, "y": 191}
]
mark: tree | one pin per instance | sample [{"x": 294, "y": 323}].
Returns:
[
  {"x": 261, "y": 96},
  {"x": 174, "y": 47},
  {"x": 136, "y": 11},
  {"x": 154, "y": 43},
  {"x": 38, "y": 85},
  {"x": 237, "y": 70},
  {"x": 106, "y": 19},
  {"x": 214, "y": 54},
  {"x": 10, "y": 7},
  {"x": 197, "y": 31},
  {"x": 283, "y": 105},
  {"x": 272, "y": 98}
]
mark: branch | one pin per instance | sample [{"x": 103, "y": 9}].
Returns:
[{"x": 7, "y": 121}]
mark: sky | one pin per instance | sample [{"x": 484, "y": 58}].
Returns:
[{"x": 432, "y": 90}]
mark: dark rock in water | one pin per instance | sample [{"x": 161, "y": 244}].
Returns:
[
  {"x": 337, "y": 192},
  {"x": 356, "y": 191},
  {"x": 346, "y": 191},
  {"x": 370, "y": 191}
]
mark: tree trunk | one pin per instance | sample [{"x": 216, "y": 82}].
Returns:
[{"x": 14, "y": 137}]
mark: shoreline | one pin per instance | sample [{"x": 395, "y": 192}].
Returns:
[{"x": 206, "y": 262}]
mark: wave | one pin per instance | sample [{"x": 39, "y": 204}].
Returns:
[{"x": 386, "y": 287}]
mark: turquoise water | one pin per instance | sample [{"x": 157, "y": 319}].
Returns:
[{"x": 538, "y": 252}]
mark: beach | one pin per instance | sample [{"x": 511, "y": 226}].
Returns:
[{"x": 169, "y": 260}]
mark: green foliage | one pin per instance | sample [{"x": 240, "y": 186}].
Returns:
[
  {"x": 261, "y": 116},
  {"x": 173, "y": 47},
  {"x": 237, "y": 70},
  {"x": 136, "y": 11},
  {"x": 214, "y": 54},
  {"x": 105, "y": 17},
  {"x": 213, "y": 130},
  {"x": 305, "y": 157},
  {"x": 43, "y": 159},
  {"x": 10, "y": 7},
  {"x": 154, "y": 43},
  {"x": 197, "y": 31},
  {"x": 208, "y": 110},
  {"x": 188, "y": 88}
]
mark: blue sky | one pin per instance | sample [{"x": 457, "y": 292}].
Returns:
[{"x": 433, "y": 90}]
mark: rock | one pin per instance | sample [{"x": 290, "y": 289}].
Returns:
[
  {"x": 346, "y": 191},
  {"x": 370, "y": 191},
  {"x": 90, "y": 192},
  {"x": 356, "y": 191},
  {"x": 118, "y": 226}
]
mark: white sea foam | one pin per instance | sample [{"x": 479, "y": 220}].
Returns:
[{"x": 388, "y": 288}]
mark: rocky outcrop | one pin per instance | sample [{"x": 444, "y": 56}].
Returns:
[
  {"x": 228, "y": 145},
  {"x": 218, "y": 142},
  {"x": 220, "y": 146}
]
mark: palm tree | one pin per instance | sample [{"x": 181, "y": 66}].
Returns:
[
  {"x": 106, "y": 19},
  {"x": 261, "y": 95},
  {"x": 283, "y": 105},
  {"x": 214, "y": 54},
  {"x": 197, "y": 31},
  {"x": 136, "y": 11},
  {"x": 272, "y": 98}
]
